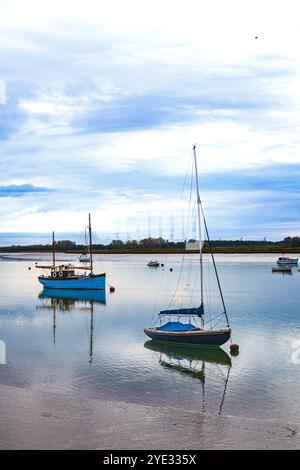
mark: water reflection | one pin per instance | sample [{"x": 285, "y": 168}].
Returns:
[
  {"x": 192, "y": 362},
  {"x": 69, "y": 301}
]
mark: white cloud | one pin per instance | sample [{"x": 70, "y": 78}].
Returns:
[{"x": 125, "y": 88}]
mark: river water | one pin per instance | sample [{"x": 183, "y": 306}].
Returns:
[{"x": 93, "y": 345}]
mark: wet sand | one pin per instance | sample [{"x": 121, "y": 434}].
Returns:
[{"x": 37, "y": 420}]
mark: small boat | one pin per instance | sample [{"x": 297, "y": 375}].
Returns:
[
  {"x": 64, "y": 276},
  {"x": 176, "y": 331},
  {"x": 286, "y": 261},
  {"x": 153, "y": 264},
  {"x": 84, "y": 257}
]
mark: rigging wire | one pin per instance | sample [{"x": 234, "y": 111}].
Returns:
[
  {"x": 184, "y": 253},
  {"x": 181, "y": 267}
]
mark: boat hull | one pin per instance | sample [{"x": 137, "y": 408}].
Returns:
[
  {"x": 192, "y": 337},
  {"x": 94, "y": 282},
  {"x": 288, "y": 262}
]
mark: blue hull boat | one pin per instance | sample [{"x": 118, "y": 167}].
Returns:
[
  {"x": 91, "y": 282},
  {"x": 64, "y": 276}
]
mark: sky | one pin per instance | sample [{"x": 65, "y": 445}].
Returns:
[{"x": 102, "y": 101}]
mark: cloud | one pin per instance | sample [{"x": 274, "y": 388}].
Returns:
[
  {"x": 21, "y": 190},
  {"x": 103, "y": 108}
]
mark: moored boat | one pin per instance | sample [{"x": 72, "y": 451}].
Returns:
[
  {"x": 287, "y": 261},
  {"x": 193, "y": 336},
  {"x": 188, "y": 331},
  {"x": 153, "y": 264},
  {"x": 65, "y": 276}
]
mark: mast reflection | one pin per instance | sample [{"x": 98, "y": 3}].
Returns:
[
  {"x": 192, "y": 362},
  {"x": 72, "y": 300}
]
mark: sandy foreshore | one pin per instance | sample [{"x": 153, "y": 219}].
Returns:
[{"x": 38, "y": 420}]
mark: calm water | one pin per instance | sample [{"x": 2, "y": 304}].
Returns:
[{"x": 95, "y": 346}]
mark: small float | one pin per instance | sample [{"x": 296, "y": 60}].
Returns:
[{"x": 153, "y": 264}]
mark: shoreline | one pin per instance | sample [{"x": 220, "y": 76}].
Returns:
[
  {"x": 43, "y": 420},
  {"x": 216, "y": 250}
]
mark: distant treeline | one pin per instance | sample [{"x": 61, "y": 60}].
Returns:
[{"x": 161, "y": 245}]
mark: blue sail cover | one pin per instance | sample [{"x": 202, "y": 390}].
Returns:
[
  {"x": 177, "y": 326},
  {"x": 194, "y": 311}
]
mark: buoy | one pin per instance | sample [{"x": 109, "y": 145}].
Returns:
[
  {"x": 112, "y": 289},
  {"x": 234, "y": 348},
  {"x": 29, "y": 268},
  {"x": 171, "y": 269}
]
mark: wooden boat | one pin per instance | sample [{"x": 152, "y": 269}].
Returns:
[
  {"x": 65, "y": 276},
  {"x": 187, "y": 332}
]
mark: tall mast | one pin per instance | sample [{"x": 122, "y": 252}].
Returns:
[
  {"x": 53, "y": 249},
  {"x": 200, "y": 211},
  {"x": 90, "y": 244},
  {"x": 199, "y": 225}
]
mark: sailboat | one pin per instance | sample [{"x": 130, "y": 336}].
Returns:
[
  {"x": 186, "y": 332},
  {"x": 64, "y": 276},
  {"x": 84, "y": 257}
]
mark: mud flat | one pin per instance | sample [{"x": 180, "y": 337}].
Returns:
[{"x": 39, "y": 420}]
